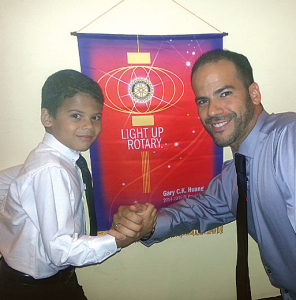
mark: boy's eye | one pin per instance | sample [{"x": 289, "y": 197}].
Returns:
[
  {"x": 97, "y": 118},
  {"x": 76, "y": 116}
]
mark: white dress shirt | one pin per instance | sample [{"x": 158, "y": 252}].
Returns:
[
  {"x": 42, "y": 221},
  {"x": 6, "y": 177}
]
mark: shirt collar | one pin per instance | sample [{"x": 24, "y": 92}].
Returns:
[
  {"x": 248, "y": 146},
  {"x": 51, "y": 141}
]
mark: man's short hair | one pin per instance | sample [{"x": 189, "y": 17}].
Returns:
[
  {"x": 66, "y": 84},
  {"x": 243, "y": 67}
]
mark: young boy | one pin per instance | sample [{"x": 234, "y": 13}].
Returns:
[{"x": 42, "y": 225}]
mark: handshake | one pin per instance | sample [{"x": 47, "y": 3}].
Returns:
[{"x": 132, "y": 223}]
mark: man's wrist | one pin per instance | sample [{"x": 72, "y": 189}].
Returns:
[{"x": 148, "y": 237}]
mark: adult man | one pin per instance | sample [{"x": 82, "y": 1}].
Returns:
[{"x": 229, "y": 107}]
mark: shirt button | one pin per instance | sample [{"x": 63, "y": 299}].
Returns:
[
  {"x": 268, "y": 271},
  {"x": 108, "y": 253},
  {"x": 286, "y": 291}
]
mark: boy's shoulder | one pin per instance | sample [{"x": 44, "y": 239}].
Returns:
[{"x": 49, "y": 154}]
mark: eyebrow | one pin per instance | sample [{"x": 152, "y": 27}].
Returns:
[
  {"x": 223, "y": 88},
  {"x": 82, "y": 112},
  {"x": 75, "y": 110},
  {"x": 218, "y": 91}
]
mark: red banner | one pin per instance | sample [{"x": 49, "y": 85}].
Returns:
[{"x": 153, "y": 147}]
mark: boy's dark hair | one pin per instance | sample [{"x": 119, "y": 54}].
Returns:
[
  {"x": 243, "y": 67},
  {"x": 66, "y": 84}
]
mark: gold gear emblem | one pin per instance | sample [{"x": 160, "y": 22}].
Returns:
[{"x": 141, "y": 90}]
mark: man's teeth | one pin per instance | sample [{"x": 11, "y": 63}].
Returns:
[{"x": 219, "y": 124}]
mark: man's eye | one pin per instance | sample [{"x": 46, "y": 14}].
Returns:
[
  {"x": 225, "y": 94},
  {"x": 201, "y": 102}
]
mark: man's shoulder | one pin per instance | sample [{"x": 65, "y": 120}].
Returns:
[{"x": 277, "y": 122}]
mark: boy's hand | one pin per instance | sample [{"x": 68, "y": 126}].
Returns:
[
  {"x": 127, "y": 221},
  {"x": 120, "y": 239},
  {"x": 135, "y": 221}
]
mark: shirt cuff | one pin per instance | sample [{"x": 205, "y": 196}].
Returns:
[
  {"x": 162, "y": 229},
  {"x": 105, "y": 246}
]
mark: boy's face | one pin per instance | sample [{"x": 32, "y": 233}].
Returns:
[{"x": 77, "y": 123}]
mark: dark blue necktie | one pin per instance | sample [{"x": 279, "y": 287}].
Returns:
[
  {"x": 86, "y": 176},
  {"x": 243, "y": 288}
]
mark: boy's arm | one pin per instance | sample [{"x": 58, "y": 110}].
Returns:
[
  {"x": 6, "y": 177},
  {"x": 59, "y": 220}
]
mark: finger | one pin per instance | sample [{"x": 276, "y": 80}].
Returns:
[
  {"x": 126, "y": 226},
  {"x": 154, "y": 213},
  {"x": 128, "y": 232},
  {"x": 148, "y": 211},
  {"x": 138, "y": 207},
  {"x": 117, "y": 234},
  {"x": 125, "y": 213},
  {"x": 150, "y": 207}
]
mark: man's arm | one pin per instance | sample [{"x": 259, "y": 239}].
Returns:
[{"x": 210, "y": 209}]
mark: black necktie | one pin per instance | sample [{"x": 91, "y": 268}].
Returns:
[
  {"x": 86, "y": 176},
  {"x": 243, "y": 288}
]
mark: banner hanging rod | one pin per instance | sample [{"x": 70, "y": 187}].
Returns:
[{"x": 75, "y": 32}]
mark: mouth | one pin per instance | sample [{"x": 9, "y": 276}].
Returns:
[
  {"x": 220, "y": 125},
  {"x": 86, "y": 138}
]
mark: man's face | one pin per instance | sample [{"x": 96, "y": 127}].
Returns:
[
  {"x": 77, "y": 123},
  {"x": 224, "y": 104}
]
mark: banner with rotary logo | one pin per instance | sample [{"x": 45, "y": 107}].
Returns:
[{"x": 153, "y": 147}]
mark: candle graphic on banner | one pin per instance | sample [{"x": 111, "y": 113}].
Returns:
[{"x": 141, "y": 91}]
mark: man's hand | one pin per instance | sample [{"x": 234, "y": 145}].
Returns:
[{"x": 149, "y": 219}]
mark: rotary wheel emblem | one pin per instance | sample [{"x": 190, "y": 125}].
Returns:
[{"x": 141, "y": 90}]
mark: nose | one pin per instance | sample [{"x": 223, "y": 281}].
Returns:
[
  {"x": 215, "y": 107},
  {"x": 87, "y": 124}
]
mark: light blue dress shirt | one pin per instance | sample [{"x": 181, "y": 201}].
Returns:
[{"x": 270, "y": 149}]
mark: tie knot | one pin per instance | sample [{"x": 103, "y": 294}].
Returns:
[
  {"x": 240, "y": 163},
  {"x": 81, "y": 162}
]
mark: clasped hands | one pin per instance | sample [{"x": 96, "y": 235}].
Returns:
[{"x": 131, "y": 223}]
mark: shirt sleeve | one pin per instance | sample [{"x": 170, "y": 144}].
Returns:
[
  {"x": 54, "y": 213},
  {"x": 285, "y": 168},
  {"x": 6, "y": 177},
  {"x": 206, "y": 211}
]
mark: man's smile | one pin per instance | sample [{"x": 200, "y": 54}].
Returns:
[{"x": 218, "y": 125}]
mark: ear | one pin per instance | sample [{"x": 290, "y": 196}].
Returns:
[
  {"x": 255, "y": 94},
  {"x": 46, "y": 118}
]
